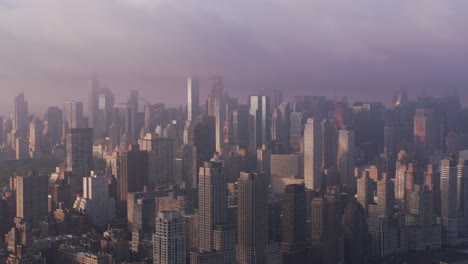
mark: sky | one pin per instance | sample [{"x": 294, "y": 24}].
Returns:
[{"x": 363, "y": 49}]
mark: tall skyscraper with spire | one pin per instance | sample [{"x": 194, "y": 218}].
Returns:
[{"x": 192, "y": 98}]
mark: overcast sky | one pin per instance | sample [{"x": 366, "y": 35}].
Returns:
[{"x": 365, "y": 49}]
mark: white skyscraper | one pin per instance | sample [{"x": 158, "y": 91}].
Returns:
[
  {"x": 313, "y": 155},
  {"x": 168, "y": 239},
  {"x": 346, "y": 157}
]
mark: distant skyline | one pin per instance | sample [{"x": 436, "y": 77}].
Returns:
[{"x": 364, "y": 50}]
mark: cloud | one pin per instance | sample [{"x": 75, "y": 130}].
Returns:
[{"x": 361, "y": 48}]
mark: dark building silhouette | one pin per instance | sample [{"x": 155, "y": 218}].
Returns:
[
  {"x": 355, "y": 233},
  {"x": 293, "y": 224}
]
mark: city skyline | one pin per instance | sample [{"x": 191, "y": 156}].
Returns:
[{"x": 233, "y": 132}]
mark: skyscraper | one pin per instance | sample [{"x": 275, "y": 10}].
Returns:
[
  {"x": 54, "y": 119},
  {"x": 448, "y": 191},
  {"x": 260, "y": 111},
  {"x": 424, "y": 132},
  {"x": 161, "y": 154},
  {"x": 293, "y": 226},
  {"x": 296, "y": 130},
  {"x": 133, "y": 103},
  {"x": 96, "y": 201},
  {"x": 280, "y": 125},
  {"x": 134, "y": 170},
  {"x": 217, "y": 108},
  {"x": 327, "y": 236},
  {"x": 20, "y": 116},
  {"x": 192, "y": 98},
  {"x": 385, "y": 196},
  {"x": 105, "y": 113},
  {"x": 93, "y": 104},
  {"x": 36, "y": 128},
  {"x": 31, "y": 197},
  {"x": 216, "y": 237},
  {"x": 313, "y": 155},
  {"x": 346, "y": 150},
  {"x": 423, "y": 230},
  {"x": 365, "y": 194},
  {"x": 252, "y": 226},
  {"x": 355, "y": 233},
  {"x": 462, "y": 187},
  {"x": 168, "y": 239},
  {"x": 79, "y": 157},
  {"x": 329, "y": 152},
  {"x": 240, "y": 126},
  {"x": 72, "y": 116},
  {"x": 123, "y": 118}
]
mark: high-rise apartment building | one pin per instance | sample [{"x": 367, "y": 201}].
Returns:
[
  {"x": 365, "y": 191},
  {"x": 388, "y": 236},
  {"x": 168, "y": 239},
  {"x": 313, "y": 159},
  {"x": 423, "y": 230},
  {"x": 385, "y": 196}
]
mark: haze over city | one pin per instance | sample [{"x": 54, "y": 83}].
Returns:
[
  {"x": 363, "y": 50},
  {"x": 233, "y": 132}
]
